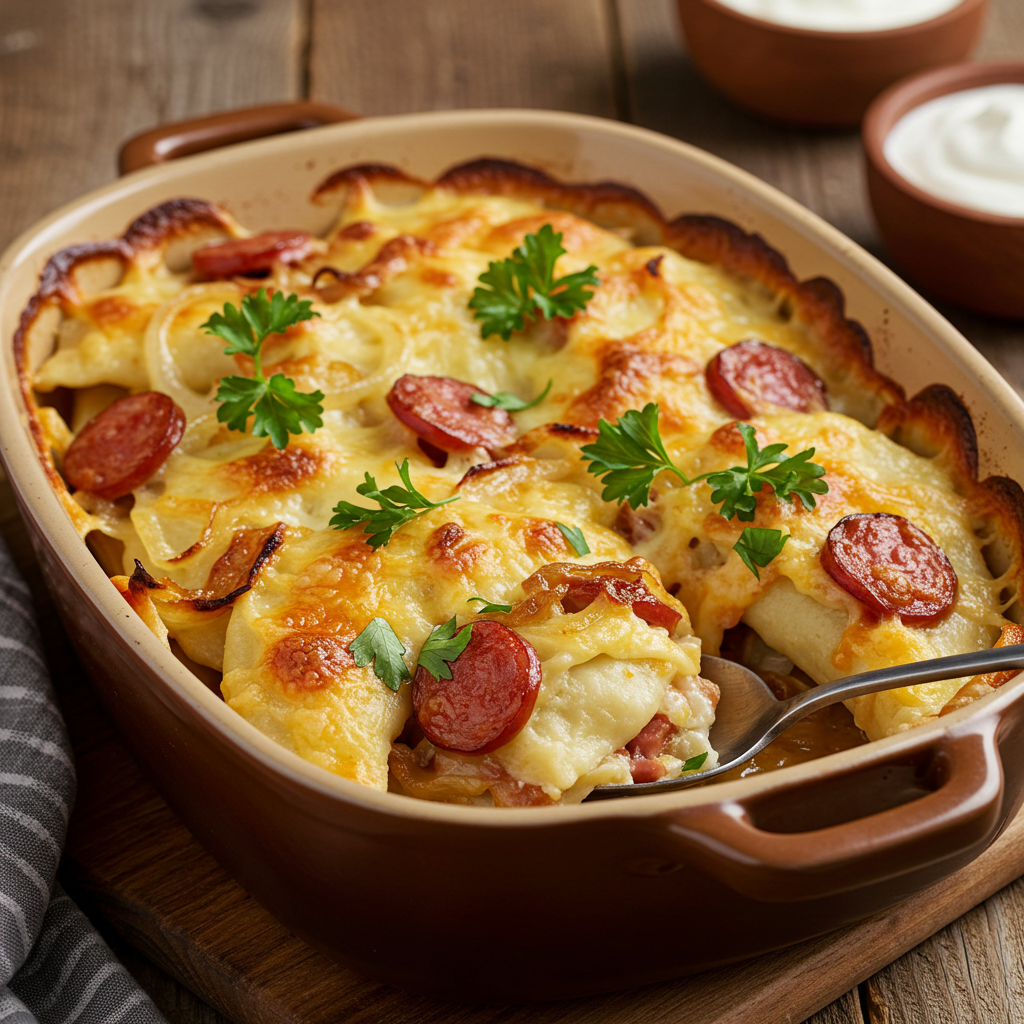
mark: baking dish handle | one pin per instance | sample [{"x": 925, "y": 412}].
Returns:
[
  {"x": 959, "y": 818},
  {"x": 182, "y": 138}
]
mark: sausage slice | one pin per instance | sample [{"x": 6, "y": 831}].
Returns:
[
  {"x": 891, "y": 566},
  {"x": 441, "y": 412},
  {"x": 489, "y": 697},
  {"x": 122, "y": 447},
  {"x": 256, "y": 255},
  {"x": 750, "y": 375}
]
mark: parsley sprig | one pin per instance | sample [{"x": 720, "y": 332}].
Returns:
[
  {"x": 506, "y": 400},
  {"x": 277, "y": 408},
  {"x": 443, "y": 646},
  {"x": 785, "y": 474},
  {"x": 398, "y": 505},
  {"x": 378, "y": 645},
  {"x": 630, "y": 454},
  {"x": 523, "y": 287}
]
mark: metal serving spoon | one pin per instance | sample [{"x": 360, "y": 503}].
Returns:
[{"x": 749, "y": 715}]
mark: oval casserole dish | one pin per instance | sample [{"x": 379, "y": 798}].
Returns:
[{"x": 535, "y": 903}]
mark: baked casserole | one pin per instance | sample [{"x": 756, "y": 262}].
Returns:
[{"x": 582, "y": 668}]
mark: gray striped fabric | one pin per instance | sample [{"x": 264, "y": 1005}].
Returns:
[{"x": 54, "y": 967}]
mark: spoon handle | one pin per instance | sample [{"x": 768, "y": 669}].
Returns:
[{"x": 994, "y": 660}]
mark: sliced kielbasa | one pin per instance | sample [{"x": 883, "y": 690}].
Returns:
[
  {"x": 891, "y": 566},
  {"x": 255, "y": 255},
  {"x": 440, "y": 411},
  {"x": 122, "y": 447},
  {"x": 750, "y": 375},
  {"x": 489, "y": 697}
]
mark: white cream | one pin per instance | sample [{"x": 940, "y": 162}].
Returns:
[
  {"x": 966, "y": 148},
  {"x": 843, "y": 15}
]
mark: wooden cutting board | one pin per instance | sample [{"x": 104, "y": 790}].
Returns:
[{"x": 134, "y": 866}]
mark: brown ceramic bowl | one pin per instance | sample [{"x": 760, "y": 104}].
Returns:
[
  {"x": 969, "y": 257},
  {"x": 818, "y": 79},
  {"x": 515, "y": 905}
]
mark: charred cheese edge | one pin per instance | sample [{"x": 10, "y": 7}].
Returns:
[{"x": 407, "y": 273}]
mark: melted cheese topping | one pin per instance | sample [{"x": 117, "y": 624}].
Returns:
[
  {"x": 654, "y": 323},
  {"x": 796, "y": 607}
]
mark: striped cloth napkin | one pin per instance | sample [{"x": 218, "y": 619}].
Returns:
[{"x": 54, "y": 967}]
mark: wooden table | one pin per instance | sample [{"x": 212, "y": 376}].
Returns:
[{"x": 76, "y": 78}]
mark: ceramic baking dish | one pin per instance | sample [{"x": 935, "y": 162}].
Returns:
[{"x": 515, "y": 905}]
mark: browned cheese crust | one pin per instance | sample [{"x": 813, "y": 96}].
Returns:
[{"x": 934, "y": 424}]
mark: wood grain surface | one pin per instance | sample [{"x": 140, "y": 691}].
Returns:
[{"x": 77, "y": 77}]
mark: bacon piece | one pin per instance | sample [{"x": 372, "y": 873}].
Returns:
[
  {"x": 489, "y": 697},
  {"x": 891, "y": 566},
  {"x": 122, "y": 447},
  {"x": 441, "y": 412},
  {"x": 750, "y": 375},
  {"x": 637, "y": 525},
  {"x": 251, "y": 256},
  {"x": 646, "y": 747}
]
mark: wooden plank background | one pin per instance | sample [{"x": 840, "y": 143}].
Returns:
[{"x": 76, "y": 78}]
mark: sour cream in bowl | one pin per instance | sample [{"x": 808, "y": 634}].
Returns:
[
  {"x": 819, "y": 63},
  {"x": 966, "y": 147},
  {"x": 945, "y": 170},
  {"x": 843, "y": 15}
]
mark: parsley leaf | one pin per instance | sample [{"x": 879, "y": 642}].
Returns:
[
  {"x": 574, "y": 535},
  {"x": 442, "y": 646},
  {"x": 398, "y": 505},
  {"x": 523, "y": 287},
  {"x": 757, "y": 546},
  {"x": 508, "y": 401},
  {"x": 276, "y": 407},
  {"x": 488, "y": 607},
  {"x": 691, "y": 764},
  {"x": 791, "y": 474},
  {"x": 378, "y": 644},
  {"x": 630, "y": 455}
]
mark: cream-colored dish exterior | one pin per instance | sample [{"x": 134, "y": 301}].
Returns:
[{"x": 336, "y": 826}]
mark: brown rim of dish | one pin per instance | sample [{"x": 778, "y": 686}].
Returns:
[
  {"x": 818, "y": 34},
  {"x": 898, "y": 100}
]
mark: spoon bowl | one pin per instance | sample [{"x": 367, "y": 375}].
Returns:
[{"x": 750, "y": 716}]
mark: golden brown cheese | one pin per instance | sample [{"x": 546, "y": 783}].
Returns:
[
  {"x": 866, "y": 472},
  {"x": 393, "y": 300}
]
